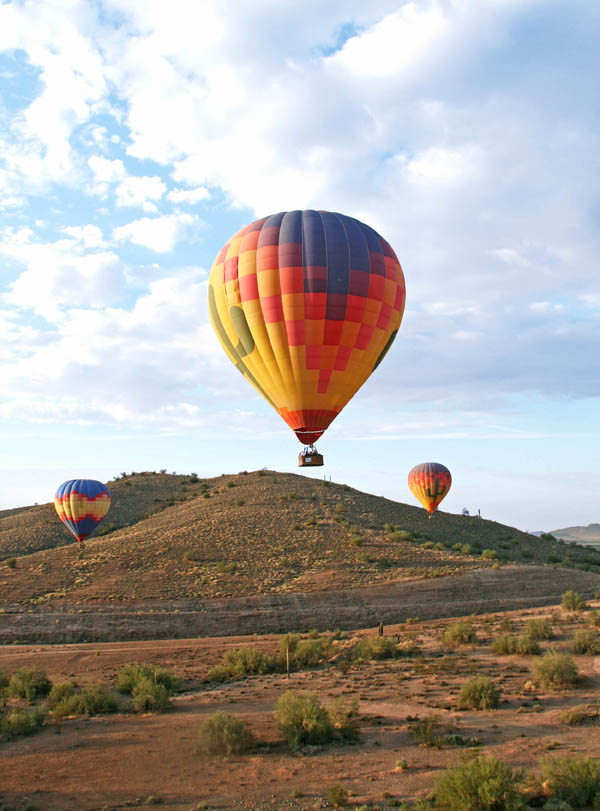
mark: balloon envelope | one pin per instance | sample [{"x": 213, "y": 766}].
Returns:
[
  {"x": 306, "y": 304},
  {"x": 81, "y": 504},
  {"x": 429, "y": 482}
]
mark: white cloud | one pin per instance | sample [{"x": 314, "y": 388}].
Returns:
[
  {"x": 444, "y": 167},
  {"x": 88, "y": 235},
  {"x": 189, "y": 196},
  {"x": 140, "y": 191},
  {"x": 158, "y": 234}
]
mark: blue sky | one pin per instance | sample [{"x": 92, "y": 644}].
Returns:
[{"x": 136, "y": 138}]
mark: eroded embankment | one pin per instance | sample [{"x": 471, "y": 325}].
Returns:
[{"x": 476, "y": 592}]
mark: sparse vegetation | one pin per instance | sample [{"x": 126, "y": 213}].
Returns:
[
  {"x": 134, "y": 672},
  {"x": 575, "y": 781},
  {"x": 459, "y": 633},
  {"x": 94, "y": 699},
  {"x": 28, "y": 683},
  {"x": 224, "y": 734},
  {"x": 345, "y": 719},
  {"x": 479, "y": 784},
  {"x": 555, "y": 670},
  {"x": 302, "y": 719},
  {"x": 337, "y": 796},
  {"x": 586, "y": 641},
  {"x": 538, "y": 629},
  {"x": 19, "y": 721},
  {"x": 522, "y": 645},
  {"x": 573, "y": 601},
  {"x": 478, "y": 693}
]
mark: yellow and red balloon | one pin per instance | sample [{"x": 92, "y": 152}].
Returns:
[
  {"x": 306, "y": 304},
  {"x": 430, "y": 482},
  {"x": 81, "y": 504}
]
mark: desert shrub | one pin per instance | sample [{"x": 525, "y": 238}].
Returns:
[
  {"x": 95, "y": 699},
  {"x": 458, "y": 633},
  {"x": 555, "y": 670},
  {"x": 428, "y": 731},
  {"x": 375, "y": 647},
  {"x": 11, "y": 563},
  {"x": 428, "y": 545},
  {"x": 400, "y": 535},
  {"x": 572, "y": 601},
  {"x": 4, "y": 680},
  {"x": 479, "y": 784},
  {"x": 579, "y": 714},
  {"x": 573, "y": 780},
  {"x": 586, "y": 641},
  {"x": 310, "y": 652},
  {"x": 302, "y": 719},
  {"x": 60, "y": 691},
  {"x": 29, "y": 683},
  {"x": 242, "y": 662},
  {"x": 478, "y": 693},
  {"x": 594, "y": 618},
  {"x": 523, "y": 645},
  {"x": 337, "y": 796},
  {"x": 150, "y": 696},
  {"x": 539, "y": 629},
  {"x": 20, "y": 722},
  {"x": 489, "y": 554},
  {"x": 344, "y": 717},
  {"x": 224, "y": 734},
  {"x": 134, "y": 672}
]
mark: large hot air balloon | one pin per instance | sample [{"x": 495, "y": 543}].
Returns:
[
  {"x": 429, "y": 483},
  {"x": 306, "y": 304},
  {"x": 81, "y": 504}
]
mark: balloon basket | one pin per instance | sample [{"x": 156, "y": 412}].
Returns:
[{"x": 310, "y": 458}]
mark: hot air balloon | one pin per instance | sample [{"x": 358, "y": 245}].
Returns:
[
  {"x": 81, "y": 504},
  {"x": 429, "y": 483},
  {"x": 306, "y": 304}
]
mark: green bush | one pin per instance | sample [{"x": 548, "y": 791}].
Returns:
[
  {"x": 573, "y": 780},
  {"x": 555, "y": 670},
  {"x": 479, "y": 784},
  {"x": 594, "y": 618},
  {"x": 302, "y": 719},
  {"x": 376, "y": 647},
  {"x": 458, "y": 633},
  {"x": 20, "y": 722},
  {"x": 572, "y": 601},
  {"x": 344, "y": 717},
  {"x": 95, "y": 699},
  {"x": 134, "y": 672},
  {"x": 489, "y": 554},
  {"x": 400, "y": 535},
  {"x": 150, "y": 696},
  {"x": 428, "y": 731},
  {"x": 11, "y": 563},
  {"x": 539, "y": 629},
  {"x": 224, "y": 734},
  {"x": 522, "y": 645},
  {"x": 337, "y": 796},
  {"x": 60, "y": 691},
  {"x": 29, "y": 683},
  {"x": 4, "y": 680},
  {"x": 242, "y": 662},
  {"x": 586, "y": 641},
  {"x": 310, "y": 652},
  {"x": 478, "y": 693}
]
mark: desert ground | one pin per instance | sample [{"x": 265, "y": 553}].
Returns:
[{"x": 127, "y": 760}]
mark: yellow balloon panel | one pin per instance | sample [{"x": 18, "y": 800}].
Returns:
[{"x": 306, "y": 304}]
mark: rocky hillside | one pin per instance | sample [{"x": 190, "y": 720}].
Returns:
[{"x": 179, "y": 537}]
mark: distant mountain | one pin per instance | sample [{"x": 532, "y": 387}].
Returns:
[{"x": 589, "y": 534}]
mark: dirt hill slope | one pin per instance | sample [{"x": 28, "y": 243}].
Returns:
[
  {"x": 29, "y": 529},
  {"x": 264, "y": 532}
]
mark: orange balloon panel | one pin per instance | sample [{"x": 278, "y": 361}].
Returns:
[
  {"x": 429, "y": 483},
  {"x": 306, "y": 304}
]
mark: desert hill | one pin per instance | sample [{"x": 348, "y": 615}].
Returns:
[
  {"x": 28, "y": 529},
  {"x": 583, "y": 535},
  {"x": 251, "y": 533}
]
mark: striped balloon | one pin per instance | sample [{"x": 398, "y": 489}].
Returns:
[
  {"x": 81, "y": 504},
  {"x": 429, "y": 482},
  {"x": 306, "y": 304}
]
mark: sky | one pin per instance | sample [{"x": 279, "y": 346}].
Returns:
[{"x": 136, "y": 138}]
